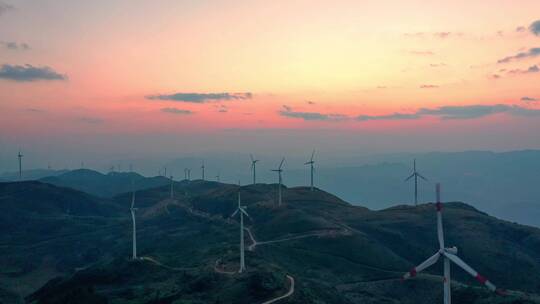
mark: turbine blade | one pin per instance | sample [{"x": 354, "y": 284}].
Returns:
[
  {"x": 312, "y": 155},
  {"x": 133, "y": 200},
  {"x": 251, "y": 156},
  {"x": 430, "y": 261},
  {"x": 281, "y": 164},
  {"x": 421, "y": 176},
  {"x": 235, "y": 212},
  {"x": 244, "y": 212},
  {"x": 470, "y": 270},
  {"x": 408, "y": 178}
]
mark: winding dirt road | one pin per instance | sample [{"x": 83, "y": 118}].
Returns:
[{"x": 288, "y": 294}]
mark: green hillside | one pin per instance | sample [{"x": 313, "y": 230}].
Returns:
[{"x": 334, "y": 252}]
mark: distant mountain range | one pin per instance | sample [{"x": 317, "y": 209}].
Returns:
[
  {"x": 502, "y": 184},
  {"x": 33, "y": 174},
  {"x": 335, "y": 252},
  {"x": 105, "y": 185}
]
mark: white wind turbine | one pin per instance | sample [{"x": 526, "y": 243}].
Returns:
[
  {"x": 253, "y": 164},
  {"x": 450, "y": 255},
  {"x": 187, "y": 173},
  {"x": 416, "y": 175},
  {"x": 311, "y": 162},
  {"x": 20, "y": 156},
  {"x": 172, "y": 184},
  {"x": 202, "y": 169},
  {"x": 241, "y": 210},
  {"x": 133, "y": 209},
  {"x": 280, "y": 180}
]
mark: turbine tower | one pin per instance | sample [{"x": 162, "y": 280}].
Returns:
[
  {"x": 253, "y": 162},
  {"x": 280, "y": 181},
  {"x": 20, "y": 156},
  {"x": 172, "y": 183},
  {"x": 241, "y": 210},
  {"x": 449, "y": 254},
  {"x": 133, "y": 209},
  {"x": 416, "y": 175},
  {"x": 311, "y": 162},
  {"x": 202, "y": 169}
]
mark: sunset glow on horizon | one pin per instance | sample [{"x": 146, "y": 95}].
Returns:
[{"x": 141, "y": 67}]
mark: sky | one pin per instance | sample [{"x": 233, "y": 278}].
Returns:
[{"x": 100, "y": 79}]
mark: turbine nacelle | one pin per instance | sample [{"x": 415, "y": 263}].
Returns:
[{"x": 451, "y": 250}]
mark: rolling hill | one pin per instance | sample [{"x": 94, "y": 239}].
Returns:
[{"x": 334, "y": 251}]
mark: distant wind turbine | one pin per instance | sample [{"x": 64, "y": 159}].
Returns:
[
  {"x": 202, "y": 169},
  {"x": 280, "y": 180},
  {"x": 241, "y": 210},
  {"x": 20, "y": 156},
  {"x": 172, "y": 184},
  {"x": 253, "y": 164},
  {"x": 449, "y": 254},
  {"x": 416, "y": 175},
  {"x": 311, "y": 162},
  {"x": 133, "y": 209},
  {"x": 217, "y": 177}
]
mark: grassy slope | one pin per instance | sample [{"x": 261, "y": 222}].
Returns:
[{"x": 357, "y": 257}]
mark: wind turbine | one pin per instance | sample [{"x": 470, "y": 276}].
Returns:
[
  {"x": 189, "y": 174},
  {"x": 416, "y": 175},
  {"x": 202, "y": 169},
  {"x": 449, "y": 254},
  {"x": 241, "y": 210},
  {"x": 311, "y": 162},
  {"x": 20, "y": 156},
  {"x": 253, "y": 163},
  {"x": 279, "y": 170},
  {"x": 217, "y": 177},
  {"x": 172, "y": 183},
  {"x": 133, "y": 209}
]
